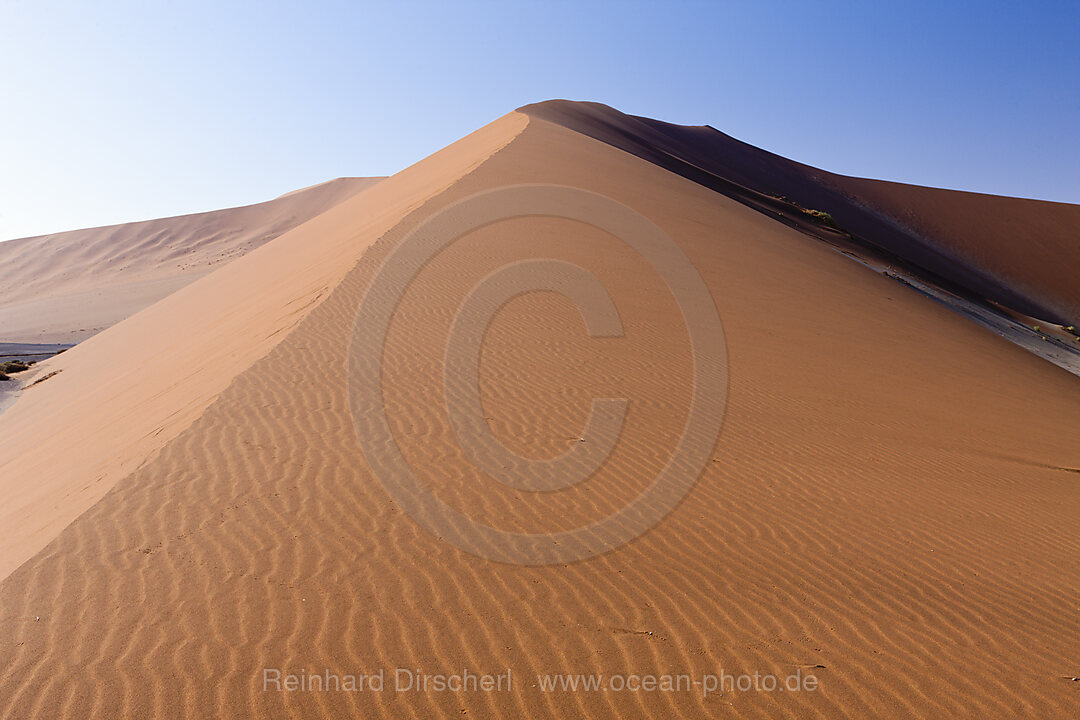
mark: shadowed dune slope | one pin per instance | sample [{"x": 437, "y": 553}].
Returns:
[
  {"x": 893, "y": 503},
  {"x": 65, "y": 287},
  {"x": 1020, "y": 253}
]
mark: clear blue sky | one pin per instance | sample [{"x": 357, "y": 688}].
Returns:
[{"x": 119, "y": 111}]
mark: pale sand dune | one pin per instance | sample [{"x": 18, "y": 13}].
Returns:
[
  {"x": 65, "y": 287},
  {"x": 894, "y": 495}
]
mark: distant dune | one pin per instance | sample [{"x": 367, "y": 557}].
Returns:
[
  {"x": 892, "y": 505},
  {"x": 65, "y": 287}
]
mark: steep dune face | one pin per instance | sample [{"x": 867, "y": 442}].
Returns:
[
  {"x": 65, "y": 287},
  {"x": 109, "y": 403},
  {"x": 1018, "y": 253},
  {"x": 892, "y": 504}
]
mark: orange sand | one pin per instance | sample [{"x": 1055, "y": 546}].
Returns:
[{"x": 894, "y": 495}]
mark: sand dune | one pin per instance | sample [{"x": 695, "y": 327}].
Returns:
[
  {"x": 65, "y": 287},
  {"x": 1019, "y": 253},
  {"x": 119, "y": 396},
  {"x": 892, "y": 504}
]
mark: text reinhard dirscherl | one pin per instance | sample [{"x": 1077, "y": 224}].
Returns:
[{"x": 404, "y": 680}]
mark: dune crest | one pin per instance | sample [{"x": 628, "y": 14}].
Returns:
[
  {"x": 1017, "y": 252},
  {"x": 114, "y": 399}
]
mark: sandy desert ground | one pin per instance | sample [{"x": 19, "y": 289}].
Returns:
[{"x": 892, "y": 505}]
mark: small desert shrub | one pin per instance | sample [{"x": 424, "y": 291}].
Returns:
[
  {"x": 13, "y": 366},
  {"x": 821, "y": 215}
]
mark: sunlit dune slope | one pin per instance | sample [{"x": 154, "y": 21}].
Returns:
[{"x": 116, "y": 398}]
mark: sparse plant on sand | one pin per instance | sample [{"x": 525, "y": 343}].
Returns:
[
  {"x": 11, "y": 367},
  {"x": 824, "y": 217}
]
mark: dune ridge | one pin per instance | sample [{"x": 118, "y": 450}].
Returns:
[
  {"x": 1017, "y": 252},
  {"x": 65, "y": 287},
  {"x": 113, "y": 400},
  {"x": 894, "y": 509}
]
